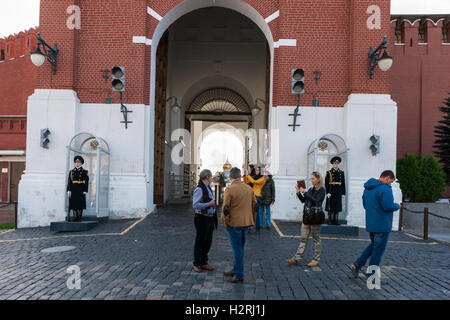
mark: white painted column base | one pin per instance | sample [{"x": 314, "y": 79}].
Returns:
[
  {"x": 287, "y": 206},
  {"x": 127, "y": 196},
  {"x": 41, "y": 199}
]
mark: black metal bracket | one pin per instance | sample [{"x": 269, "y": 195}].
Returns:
[
  {"x": 374, "y": 55},
  {"x": 49, "y": 52},
  {"x": 295, "y": 115},
  {"x": 105, "y": 74},
  {"x": 125, "y": 112},
  {"x": 317, "y": 76}
]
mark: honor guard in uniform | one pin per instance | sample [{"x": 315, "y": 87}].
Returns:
[
  {"x": 335, "y": 187},
  {"x": 77, "y": 188}
]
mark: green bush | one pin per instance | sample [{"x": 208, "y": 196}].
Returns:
[
  {"x": 407, "y": 169},
  {"x": 7, "y": 226},
  {"x": 442, "y": 143},
  {"x": 421, "y": 178}
]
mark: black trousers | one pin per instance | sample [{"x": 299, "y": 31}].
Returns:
[{"x": 203, "y": 239}]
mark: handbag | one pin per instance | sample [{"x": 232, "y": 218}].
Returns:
[{"x": 313, "y": 216}]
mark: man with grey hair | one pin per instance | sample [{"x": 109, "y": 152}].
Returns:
[
  {"x": 239, "y": 213},
  {"x": 205, "y": 221}
]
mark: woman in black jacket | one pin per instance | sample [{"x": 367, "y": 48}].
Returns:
[{"x": 313, "y": 201}]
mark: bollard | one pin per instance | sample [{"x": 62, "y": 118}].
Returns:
[
  {"x": 425, "y": 224},
  {"x": 400, "y": 218},
  {"x": 15, "y": 214}
]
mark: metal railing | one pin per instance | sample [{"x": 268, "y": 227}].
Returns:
[
  {"x": 7, "y": 204},
  {"x": 181, "y": 187},
  {"x": 426, "y": 213}
]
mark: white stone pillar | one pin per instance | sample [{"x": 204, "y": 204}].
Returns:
[
  {"x": 42, "y": 187},
  {"x": 365, "y": 115}
]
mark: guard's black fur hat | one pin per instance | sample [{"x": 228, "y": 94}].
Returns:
[
  {"x": 336, "y": 159},
  {"x": 78, "y": 158}
]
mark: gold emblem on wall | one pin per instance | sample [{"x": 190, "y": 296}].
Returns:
[
  {"x": 322, "y": 146},
  {"x": 94, "y": 144}
]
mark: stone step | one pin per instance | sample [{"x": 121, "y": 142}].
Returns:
[
  {"x": 340, "y": 229},
  {"x": 73, "y": 226}
]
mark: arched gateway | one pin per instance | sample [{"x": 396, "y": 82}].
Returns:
[
  {"x": 172, "y": 51},
  {"x": 223, "y": 42}
]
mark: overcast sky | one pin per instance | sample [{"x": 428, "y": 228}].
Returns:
[{"x": 18, "y": 15}]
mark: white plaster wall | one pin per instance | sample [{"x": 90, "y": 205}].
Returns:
[
  {"x": 362, "y": 116},
  {"x": 128, "y": 185},
  {"x": 42, "y": 188},
  {"x": 365, "y": 115}
]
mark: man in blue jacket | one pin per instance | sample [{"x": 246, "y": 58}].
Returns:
[{"x": 378, "y": 201}]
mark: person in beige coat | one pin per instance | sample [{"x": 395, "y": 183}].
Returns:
[{"x": 238, "y": 213}]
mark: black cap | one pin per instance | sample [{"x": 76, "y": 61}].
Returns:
[
  {"x": 80, "y": 158},
  {"x": 334, "y": 159}
]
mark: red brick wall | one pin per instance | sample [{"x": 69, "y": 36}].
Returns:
[
  {"x": 19, "y": 81},
  {"x": 420, "y": 81},
  {"x": 332, "y": 37}
]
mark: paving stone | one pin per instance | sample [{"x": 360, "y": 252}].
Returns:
[{"x": 145, "y": 269}]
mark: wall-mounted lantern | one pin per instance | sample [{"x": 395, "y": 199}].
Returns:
[
  {"x": 175, "y": 107},
  {"x": 255, "y": 109},
  {"x": 380, "y": 57},
  {"x": 38, "y": 57}
]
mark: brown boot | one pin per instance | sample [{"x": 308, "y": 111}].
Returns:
[
  {"x": 207, "y": 267},
  {"x": 197, "y": 269}
]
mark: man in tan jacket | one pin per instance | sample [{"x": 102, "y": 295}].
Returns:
[{"x": 238, "y": 214}]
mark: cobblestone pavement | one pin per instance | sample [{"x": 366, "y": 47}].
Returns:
[{"x": 153, "y": 260}]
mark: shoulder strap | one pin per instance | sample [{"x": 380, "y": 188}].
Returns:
[{"x": 331, "y": 176}]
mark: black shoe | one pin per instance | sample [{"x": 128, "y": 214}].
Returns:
[
  {"x": 355, "y": 270},
  {"x": 336, "y": 219}
]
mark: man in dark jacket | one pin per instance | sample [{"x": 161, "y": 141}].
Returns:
[
  {"x": 205, "y": 221},
  {"x": 268, "y": 196},
  {"x": 378, "y": 201}
]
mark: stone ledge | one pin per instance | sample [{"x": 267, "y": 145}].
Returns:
[
  {"x": 64, "y": 226},
  {"x": 341, "y": 229}
]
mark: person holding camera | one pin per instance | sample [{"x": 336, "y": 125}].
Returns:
[
  {"x": 313, "y": 218},
  {"x": 257, "y": 181}
]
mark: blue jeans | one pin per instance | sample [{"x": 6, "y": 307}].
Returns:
[
  {"x": 267, "y": 207},
  {"x": 375, "y": 250},
  {"x": 260, "y": 214},
  {"x": 237, "y": 240}
]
